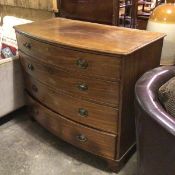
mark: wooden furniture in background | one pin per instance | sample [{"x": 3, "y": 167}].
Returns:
[
  {"x": 33, "y": 10},
  {"x": 113, "y": 12},
  {"x": 100, "y": 11},
  {"x": 80, "y": 81},
  {"x": 49, "y": 5},
  {"x": 145, "y": 8}
]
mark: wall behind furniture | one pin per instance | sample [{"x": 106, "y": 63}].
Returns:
[
  {"x": 49, "y": 5},
  {"x": 29, "y": 9}
]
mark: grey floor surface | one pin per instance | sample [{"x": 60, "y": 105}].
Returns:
[{"x": 28, "y": 149}]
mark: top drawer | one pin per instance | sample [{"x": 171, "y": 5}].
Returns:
[{"x": 93, "y": 65}]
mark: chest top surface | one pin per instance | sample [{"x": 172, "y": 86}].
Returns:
[{"x": 89, "y": 36}]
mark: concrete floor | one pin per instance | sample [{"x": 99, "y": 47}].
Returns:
[{"x": 28, "y": 149}]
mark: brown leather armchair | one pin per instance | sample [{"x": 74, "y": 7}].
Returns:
[{"x": 154, "y": 126}]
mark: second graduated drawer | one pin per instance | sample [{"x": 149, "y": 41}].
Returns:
[
  {"x": 95, "y": 90},
  {"x": 90, "y": 114},
  {"x": 95, "y": 65}
]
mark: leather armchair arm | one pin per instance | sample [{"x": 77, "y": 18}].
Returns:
[{"x": 146, "y": 92}]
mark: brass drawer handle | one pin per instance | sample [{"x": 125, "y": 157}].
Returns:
[
  {"x": 30, "y": 67},
  {"x": 50, "y": 70},
  {"x": 83, "y": 112},
  {"x": 34, "y": 88},
  {"x": 83, "y": 87},
  {"x": 35, "y": 111},
  {"x": 27, "y": 45},
  {"x": 81, "y": 138},
  {"x": 81, "y": 63},
  {"x": 32, "y": 109}
]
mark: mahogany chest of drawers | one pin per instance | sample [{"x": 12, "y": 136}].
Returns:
[{"x": 80, "y": 81}]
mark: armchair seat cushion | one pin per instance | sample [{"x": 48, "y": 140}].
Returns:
[
  {"x": 167, "y": 96},
  {"x": 11, "y": 86}
]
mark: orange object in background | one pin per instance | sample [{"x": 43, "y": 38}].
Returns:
[{"x": 163, "y": 20}]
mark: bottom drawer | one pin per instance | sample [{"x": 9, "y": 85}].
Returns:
[{"x": 92, "y": 140}]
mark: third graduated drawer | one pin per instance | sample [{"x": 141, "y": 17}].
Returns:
[
  {"x": 95, "y": 65},
  {"x": 92, "y": 89},
  {"x": 87, "y": 113}
]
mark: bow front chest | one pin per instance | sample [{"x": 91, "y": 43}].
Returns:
[{"x": 80, "y": 81}]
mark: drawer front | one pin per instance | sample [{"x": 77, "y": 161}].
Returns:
[
  {"x": 100, "y": 66},
  {"x": 94, "y": 141},
  {"x": 82, "y": 111},
  {"x": 94, "y": 90}
]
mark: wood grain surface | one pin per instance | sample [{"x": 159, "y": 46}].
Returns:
[
  {"x": 101, "y": 84},
  {"x": 94, "y": 90},
  {"x": 90, "y": 114},
  {"x": 83, "y": 63},
  {"x": 90, "y": 36},
  {"x": 94, "y": 141},
  {"x": 49, "y": 5}
]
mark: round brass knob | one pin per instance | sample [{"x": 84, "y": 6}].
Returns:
[
  {"x": 83, "y": 112},
  {"x": 35, "y": 111},
  {"x": 27, "y": 45},
  {"x": 83, "y": 87},
  {"x": 81, "y": 138},
  {"x": 30, "y": 67},
  {"x": 34, "y": 88},
  {"x": 81, "y": 63}
]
